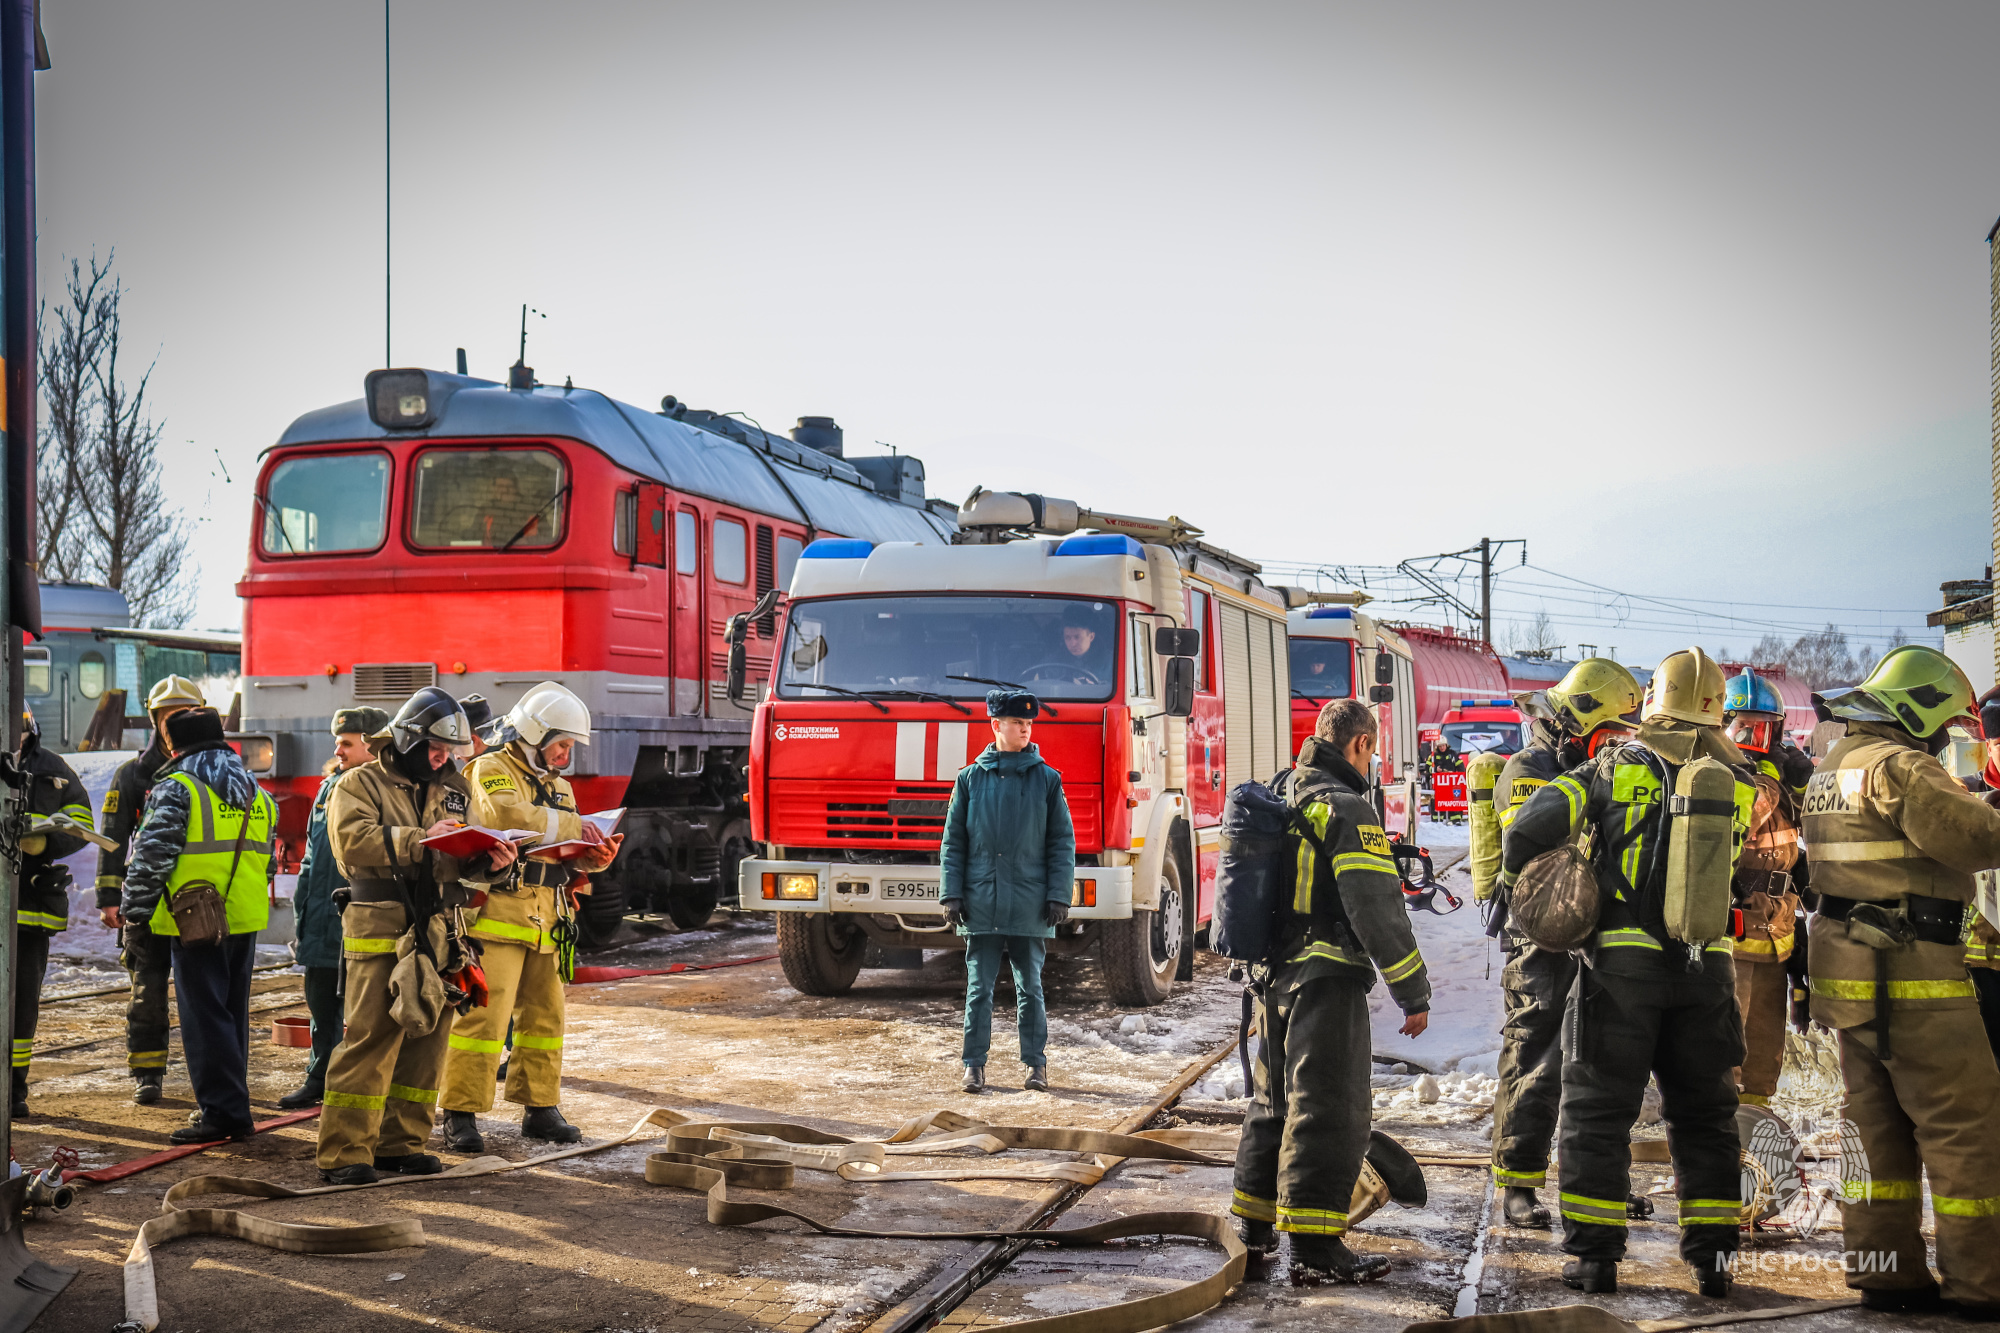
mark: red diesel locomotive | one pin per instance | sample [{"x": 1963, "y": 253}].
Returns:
[{"x": 485, "y": 537}]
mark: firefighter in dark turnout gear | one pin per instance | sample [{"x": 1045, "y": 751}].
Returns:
[
  {"x": 1309, "y": 1120},
  {"x": 1644, "y": 1003},
  {"x": 146, "y": 957},
  {"x": 43, "y": 909},
  {"x": 1896, "y": 842},
  {"x": 1597, "y": 701},
  {"x": 1771, "y": 882}
]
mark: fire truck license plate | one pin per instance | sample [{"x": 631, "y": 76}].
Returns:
[{"x": 909, "y": 888}]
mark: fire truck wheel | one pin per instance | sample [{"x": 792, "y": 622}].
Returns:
[
  {"x": 1141, "y": 955},
  {"x": 820, "y": 956}
]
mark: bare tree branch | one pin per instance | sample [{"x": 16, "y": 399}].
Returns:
[
  {"x": 103, "y": 514},
  {"x": 72, "y": 342}
]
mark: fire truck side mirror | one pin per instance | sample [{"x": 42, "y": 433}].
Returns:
[
  {"x": 739, "y": 668},
  {"x": 1180, "y": 686},
  {"x": 1381, "y": 694},
  {"x": 1173, "y": 641},
  {"x": 1385, "y": 672}
]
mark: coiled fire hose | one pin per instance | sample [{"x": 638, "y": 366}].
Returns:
[{"x": 708, "y": 1155}]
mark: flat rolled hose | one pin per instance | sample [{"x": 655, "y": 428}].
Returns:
[
  {"x": 142, "y": 1305},
  {"x": 708, "y": 1156},
  {"x": 712, "y": 1175}
]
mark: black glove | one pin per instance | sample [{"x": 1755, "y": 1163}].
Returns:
[
  {"x": 1055, "y": 914},
  {"x": 954, "y": 912}
]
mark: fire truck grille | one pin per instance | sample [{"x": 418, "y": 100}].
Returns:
[
  {"x": 814, "y": 814},
  {"x": 392, "y": 682}
]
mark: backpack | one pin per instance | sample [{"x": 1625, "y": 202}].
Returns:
[{"x": 1255, "y": 879}]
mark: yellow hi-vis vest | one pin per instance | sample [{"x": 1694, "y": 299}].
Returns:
[{"x": 213, "y": 827}]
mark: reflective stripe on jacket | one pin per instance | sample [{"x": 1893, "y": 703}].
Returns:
[{"x": 1883, "y": 820}]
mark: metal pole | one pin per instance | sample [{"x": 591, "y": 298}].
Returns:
[
  {"x": 388, "y": 356},
  {"x": 1486, "y": 590}
]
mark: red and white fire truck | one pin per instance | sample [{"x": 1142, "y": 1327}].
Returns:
[
  {"x": 1338, "y": 652},
  {"x": 1469, "y": 727},
  {"x": 1163, "y": 661}
]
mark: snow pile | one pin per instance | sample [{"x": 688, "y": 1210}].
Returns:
[
  {"x": 1452, "y": 1096},
  {"x": 1464, "y": 969},
  {"x": 1223, "y": 1084}
]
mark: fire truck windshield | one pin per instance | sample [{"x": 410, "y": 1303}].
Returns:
[
  {"x": 1059, "y": 647},
  {"x": 490, "y": 499},
  {"x": 1473, "y": 737},
  {"x": 326, "y": 502},
  {"x": 1322, "y": 669}
]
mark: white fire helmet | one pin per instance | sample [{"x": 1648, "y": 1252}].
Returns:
[{"x": 547, "y": 713}]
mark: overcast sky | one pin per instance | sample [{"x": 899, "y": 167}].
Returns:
[{"x": 1693, "y": 297}]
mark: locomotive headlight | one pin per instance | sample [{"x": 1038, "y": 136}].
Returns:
[
  {"x": 259, "y": 753},
  {"x": 400, "y": 399},
  {"x": 794, "y": 887}
]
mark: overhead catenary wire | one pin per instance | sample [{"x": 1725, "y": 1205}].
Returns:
[{"x": 1395, "y": 591}]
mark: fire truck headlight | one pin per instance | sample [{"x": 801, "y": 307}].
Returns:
[
  {"x": 1083, "y": 893},
  {"x": 794, "y": 887}
]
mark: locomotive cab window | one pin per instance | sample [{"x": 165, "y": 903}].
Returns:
[
  {"x": 624, "y": 522},
  {"x": 38, "y": 676},
  {"x": 788, "y": 561},
  {"x": 730, "y": 553},
  {"x": 323, "y": 503},
  {"x": 489, "y": 499},
  {"x": 687, "y": 539}
]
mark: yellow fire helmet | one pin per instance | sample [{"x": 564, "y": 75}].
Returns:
[
  {"x": 1917, "y": 688},
  {"x": 1688, "y": 686},
  {"x": 1597, "y": 692},
  {"x": 174, "y": 692}
]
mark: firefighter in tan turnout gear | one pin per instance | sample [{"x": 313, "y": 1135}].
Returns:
[
  {"x": 399, "y": 941},
  {"x": 526, "y": 928},
  {"x": 1895, "y": 843}
]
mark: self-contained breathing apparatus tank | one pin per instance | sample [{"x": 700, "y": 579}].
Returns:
[{"x": 1701, "y": 850}]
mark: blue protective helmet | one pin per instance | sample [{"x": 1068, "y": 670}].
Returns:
[{"x": 1751, "y": 693}]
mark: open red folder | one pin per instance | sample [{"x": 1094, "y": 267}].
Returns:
[
  {"x": 604, "y": 821},
  {"x": 470, "y": 840}
]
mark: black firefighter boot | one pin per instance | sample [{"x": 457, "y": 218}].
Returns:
[
  {"x": 461, "y": 1132},
  {"x": 1260, "y": 1238},
  {"x": 1714, "y": 1278},
  {"x": 1317, "y": 1259},
  {"x": 1591, "y": 1275},
  {"x": 975, "y": 1078},
  {"x": 311, "y": 1093},
  {"x": 546, "y": 1122},
  {"x": 147, "y": 1086},
  {"x": 1522, "y": 1209}
]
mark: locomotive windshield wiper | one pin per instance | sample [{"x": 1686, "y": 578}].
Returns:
[
  {"x": 535, "y": 517},
  {"x": 863, "y": 696},
  {"x": 1006, "y": 685},
  {"x": 926, "y": 695}
]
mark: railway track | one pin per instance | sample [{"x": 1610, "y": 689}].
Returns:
[{"x": 937, "y": 1298}]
